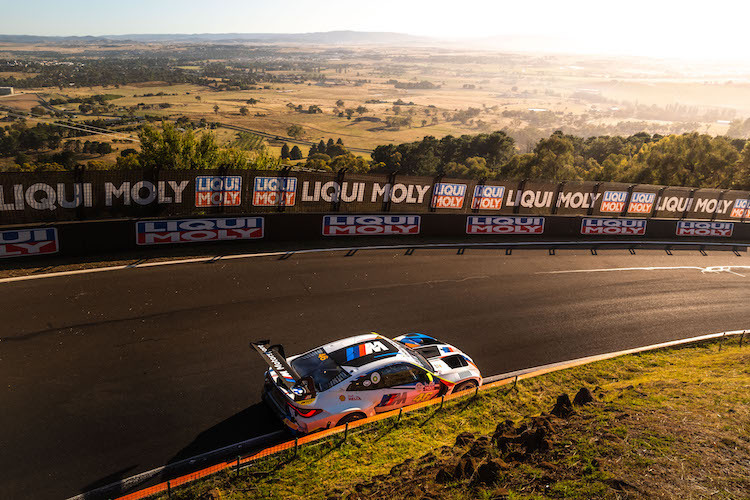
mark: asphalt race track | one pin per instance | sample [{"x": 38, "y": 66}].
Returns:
[{"x": 109, "y": 374}]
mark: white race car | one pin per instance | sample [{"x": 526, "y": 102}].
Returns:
[{"x": 360, "y": 377}]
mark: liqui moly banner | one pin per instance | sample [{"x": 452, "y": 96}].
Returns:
[
  {"x": 156, "y": 232},
  {"x": 274, "y": 191},
  {"x": 367, "y": 225},
  {"x": 448, "y": 195},
  {"x": 487, "y": 197},
  {"x": 28, "y": 242},
  {"x": 641, "y": 203},
  {"x": 504, "y": 225},
  {"x": 705, "y": 228},
  {"x": 741, "y": 209},
  {"x": 613, "y": 201},
  {"x": 217, "y": 191},
  {"x": 624, "y": 227}
]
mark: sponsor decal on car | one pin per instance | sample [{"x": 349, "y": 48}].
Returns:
[
  {"x": 705, "y": 228},
  {"x": 216, "y": 191},
  {"x": 629, "y": 227},
  {"x": 487, "y": 197},
  {"x": 365, "y": 349},
  {"x": 641, "y": 203},
  {"x": 613, "y": 201},
  {"x": 157, "y": 232},
  {"x": 741, "y": 209},
  {"x": 360, "y": 225},
  {"x": 448, "y": 195},
  {"x": 25, "y": 242},
  {"x": 391, "y": 400},
  {"x": 504, "y": 225},
  {"x": 274, "y": 191}
]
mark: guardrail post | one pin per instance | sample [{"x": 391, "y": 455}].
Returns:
[
  {"x": 296, "y": 445},
  {"x": 519, "y": 193},
  {"x": 657, "y": 201},
  {"x": 515, "y": 383},
  {"x": 559, "y": 189},
  {"x": 721, "y": 343},
  {"x": 689, "y": 204},
  {"x": 625, "y": 207},
  {"x": 336, "y": 204},
  {"x": 400, "y": 411},
  {"x": 442, "y": 400},
  {"x": 594, "y": 192},
  {"x": 238, "y": 466},
  {"x": 742, "y": 337},
  {"x": 346, "y": 431},
  {"x": 387, "y": 199},
  {"x": 169, "y": 490},
  {"x": 435, "y": 182}
]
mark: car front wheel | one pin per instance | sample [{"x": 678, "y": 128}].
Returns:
[{"x": 466, "y": 386}]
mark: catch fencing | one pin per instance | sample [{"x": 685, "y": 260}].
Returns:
[{"x": 83, "y": 195}]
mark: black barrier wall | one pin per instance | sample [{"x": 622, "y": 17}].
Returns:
[
  {"x": 245, "y": 231},
  {"x": 27, "y": 198}
]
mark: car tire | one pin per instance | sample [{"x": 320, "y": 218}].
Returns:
[
  {"x": 352, "y": 417},
  {"x": 465, "y": 386}
]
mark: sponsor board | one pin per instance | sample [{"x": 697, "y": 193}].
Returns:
[
  {"x": 629, "y": 227},
  {"x": 359, "y": 225},
  {"x": 741, "y": 209},
  {"x": 504, "y": 225},
  {"x": 705, "y": 228},
  {"x": 613, "y": 201},
  {"x": 448, "y": 195},
  {"x": 25, "y": 242},
  {"x": 641, "y": 203},
  {"x": 487, "y": 197},
  {"x": 217, "y": 191},
  {"x": 274, "y": 191},
  {"x": 156, "y": 232}
]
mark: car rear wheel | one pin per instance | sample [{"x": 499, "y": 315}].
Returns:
[
  {"x": 466, "y": 386},
  {"x": 352, "y": 417}
]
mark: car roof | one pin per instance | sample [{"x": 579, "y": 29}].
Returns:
[{"x": 353, "y": 353}]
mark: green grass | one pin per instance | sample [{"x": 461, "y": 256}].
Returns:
[{"x": 669, "y": 422}]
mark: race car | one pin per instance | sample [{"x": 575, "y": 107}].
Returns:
[{"x": 359, "y": 377}]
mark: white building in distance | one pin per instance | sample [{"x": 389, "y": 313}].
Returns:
[{"x": 6, "y": 90}]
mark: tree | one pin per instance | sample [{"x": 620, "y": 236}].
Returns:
[
  {"x": 285, "y": 151},
  {"x": 362, "y": 110},
  {"x": 313, "y": 150},
  {"x": 340, "y": 103},
  {"x": 197, "y": 98},
  {"x": 295, "y": 153},
  {"x": 216, "y": 109},
  {"x": 252, "y": 102},
  {"x": 295, "y": 131},
  {"x": 104, "y": 148},
  {"x": 243, "y": 111},
  {"x": 339, "y": 141},
  {"x": 321, "y": 147},
  {"x": 349, "y": 112}
]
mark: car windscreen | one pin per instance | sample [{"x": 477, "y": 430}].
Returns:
[
  {"x": 323, "y": 369},
  {"x": 419, "y": 359}
]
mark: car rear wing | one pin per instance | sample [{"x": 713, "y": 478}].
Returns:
[{"x": 303, "y": 388}]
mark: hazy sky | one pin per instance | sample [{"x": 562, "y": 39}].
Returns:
[{"x": 656, "y": 27}]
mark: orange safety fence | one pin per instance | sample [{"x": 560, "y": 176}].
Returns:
[{"x": 317, "y": 436}]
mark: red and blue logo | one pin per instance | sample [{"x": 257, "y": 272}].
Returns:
[
  {"x": 448, "y": 195},
  {"x": 274, "y": 191},
  {"x": 157, "y": 232},
  {"x": 364, "y": 225},
  {"x": 641, "y": 203},
  {"x": 217, "y": 191},
  {"x": 487, "y": 197},
  {"x": 741, "y": 209},
  {"x": 613, "y": 201},
  {"x": 625, "y": 227},
  {"x": 504, "y": 225},
  {"x": 26, "y": 242},
  {"x": 705, "y": 228}
]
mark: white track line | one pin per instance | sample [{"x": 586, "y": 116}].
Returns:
[
  {"x": 216, "y": 258},
  {"x": 703, "y": 270}
]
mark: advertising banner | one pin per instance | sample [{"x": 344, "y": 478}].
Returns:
[
  {"x": 504, "y": 225},
  {"x": 157, "y": 232},
  {"x": 705, "y": 229},
  {"x": 28, "y": 242},
  {"x": 624, "y": 227},
  {"x": 368, "y": 225}
]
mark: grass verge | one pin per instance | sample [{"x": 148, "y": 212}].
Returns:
[{"x": 662, "y": 424}]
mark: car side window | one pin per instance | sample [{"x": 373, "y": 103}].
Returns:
[
  {"x": 401, "y": 374},
  {"x": 370, "y": 381}
]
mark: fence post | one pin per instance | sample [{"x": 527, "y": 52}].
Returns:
[
  {"x": 442, "y": 400},
  {"x": 559, "y": 189},
  {"x": 742, "y": 337},
  {"x": 721, "y": 343},
  {"x": 169, "y": 490},
  {"x": 519, "y": 192},
  {"x": 689, "y": 204},
  {"x": 435, "y": 182},
  {"x": 336, "y": 203},
  {"x": 346, "y": 431},
  {"x": 400, "y": 411},
  {"x": 387, "y": 197},
  {"x": 238, "y": 466},
  {"x": 594, "y": 192},
  {"x": 296, "y": 445},
  {"x": 716, "y": 211}
]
